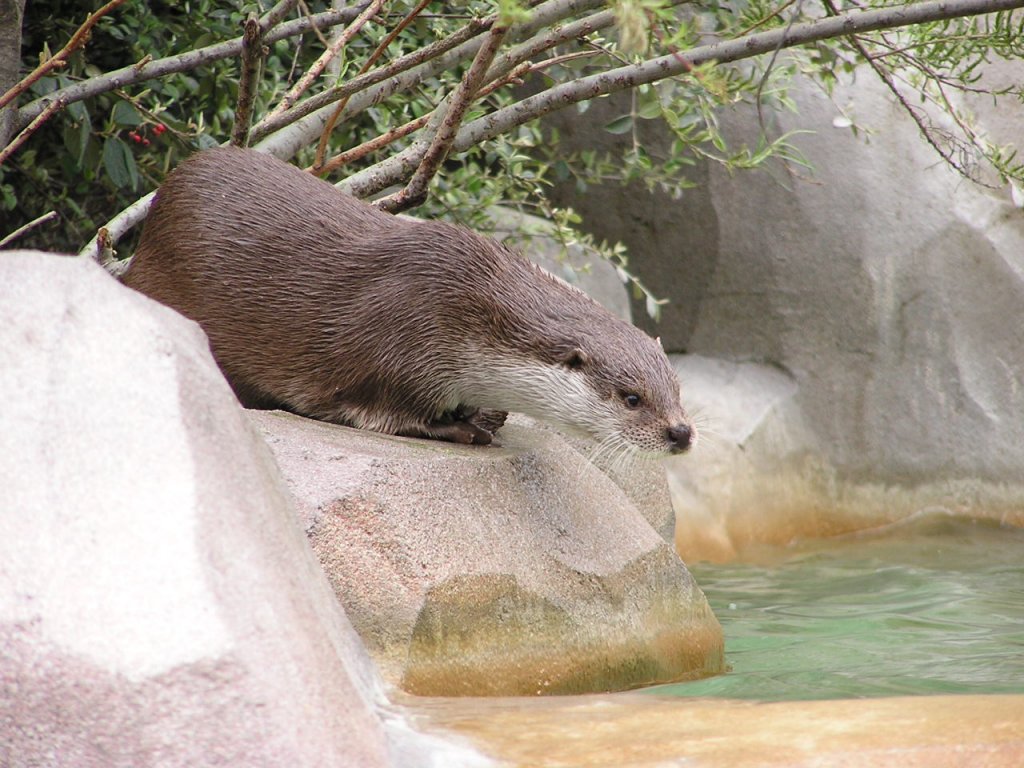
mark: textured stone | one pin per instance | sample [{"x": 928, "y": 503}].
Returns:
[
  {"x": 882, "y": 287},
  {"x": 482, "y": 570},
  {"x": 158, "y": 603}
]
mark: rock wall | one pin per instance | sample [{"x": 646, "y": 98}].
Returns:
[{"x": 882, "y": 284}]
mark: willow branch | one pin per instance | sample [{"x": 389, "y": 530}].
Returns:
[
  {"x": 394, "y": 170},
  {"x": 77, "y": 41},
  {"x": 150, "y": 70},
  {"x": 321, "y": 63}
]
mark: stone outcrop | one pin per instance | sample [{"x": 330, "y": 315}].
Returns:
[
  {"x": 481, "y": 570},
  {"x": 159, "y": 605},
  {"x": 883, "y": 288}
]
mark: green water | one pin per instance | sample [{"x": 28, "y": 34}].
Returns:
[{"x": 935, "y": 606}]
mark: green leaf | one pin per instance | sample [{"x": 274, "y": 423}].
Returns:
[
  {"x": 125, "y": 114},
  {"x": 119, "y": 163},
  {"x": 619, "y": 125},
  {"x": 76, "y": 137},
  {"x": 9, "y": 198}
]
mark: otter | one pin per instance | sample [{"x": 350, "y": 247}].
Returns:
[{"x": 320, "y": 304}]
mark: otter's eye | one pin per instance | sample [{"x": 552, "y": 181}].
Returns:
[{"x": 631, "y": 399}]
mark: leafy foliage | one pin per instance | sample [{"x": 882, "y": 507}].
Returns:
[{"x": 99, "y": 154}]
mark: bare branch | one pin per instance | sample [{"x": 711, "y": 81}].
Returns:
[
  {"x": 150, "y": 70},
  {"x": 386, "y": 138},
  {"x": 415, "y": 192},
  {"x": 44, "y": 219},
  {"x": 21, "y": 138},
  {"x": 253, "y": 54},
  {"x": 304, "y": 131},
  {"x": 269, "y": 125},
  {"x": 321, "y": 63},
  {"x": 252, "y": 60},
  {"x": 77, "y": 40},
  {"x": 397, "y": 168},
  {"x": 321, "y": 148},
  {"x": 117, "y": 227}
]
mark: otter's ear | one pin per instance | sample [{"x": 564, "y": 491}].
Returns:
[{"x": 573, "y": 357}]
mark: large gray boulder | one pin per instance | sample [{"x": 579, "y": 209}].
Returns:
[
  {"x": 477, "y": 570},
  {"x": 884, "y": 287},
  {"x": 159, "y": 605}
]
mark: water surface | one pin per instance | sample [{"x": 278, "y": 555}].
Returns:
[{"x": 931, "y": 606}]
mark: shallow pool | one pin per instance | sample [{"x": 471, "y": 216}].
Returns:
[{"x": 935, "y": 605}]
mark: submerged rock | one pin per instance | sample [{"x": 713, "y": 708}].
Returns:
[{"x": 493, "y": 571}]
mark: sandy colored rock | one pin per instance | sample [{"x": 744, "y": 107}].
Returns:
[
  {"x": 645, "y": 731},
  {"x": 158, "y": 604},
  {"x": 482, "y": 570}
]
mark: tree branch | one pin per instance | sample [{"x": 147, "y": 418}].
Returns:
[
  {"x": 150, "y": 70},
  {"x": 321, "y": 147},
  {"x": 394, "y": 170},
  {"x": 21, "y": 138},
  {"x": 305, "y": 130},
  {"x": 77, "y": 40},
  {"x": 46, "y": 218},
  {"x": 415, "y": 192},
  {"x": 269, "y": 125},
  {"x": 118, "y": 226},
  {"x": 253, "y": 54},
  {"x": 321, "y": 63},
  {"x": 252, "y": 59}
]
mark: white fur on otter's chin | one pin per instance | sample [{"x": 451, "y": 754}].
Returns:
[{"x": 554, "y": 394}]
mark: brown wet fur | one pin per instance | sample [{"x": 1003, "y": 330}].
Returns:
[{"x": 320, "y": 304}]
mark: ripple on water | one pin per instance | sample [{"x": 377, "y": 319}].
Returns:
[{"x": 933, "y": 606}]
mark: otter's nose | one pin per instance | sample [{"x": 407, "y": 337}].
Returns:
[{"x": 680, "y": 437}]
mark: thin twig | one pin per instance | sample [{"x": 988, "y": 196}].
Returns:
[
  {"x": 386, "y": 138},
  {"x": 269, "y": 124},
  {"x": 77, "y": 40},
  {"x": 44, "y": 219},
  {"x": 886, "y": 78},
  {"x": 321, "y": 63},
  {"x": 416, "y": 190},
  {"x": 321, "y": 147},
  {"x": 542, "y": 16},
  {"x": 51, "y": 109}
]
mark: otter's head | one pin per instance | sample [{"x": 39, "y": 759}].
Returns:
[
  {"x": 627, "y": 393},
  {"x": 613, "y": 384}
]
